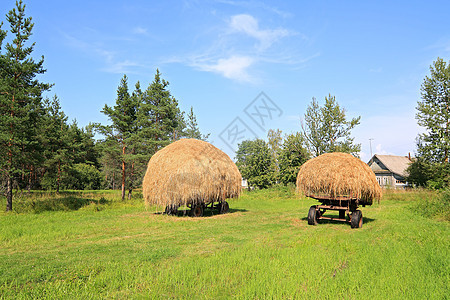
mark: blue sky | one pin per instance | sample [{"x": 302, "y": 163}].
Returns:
[{"x": 219, "y": 56}]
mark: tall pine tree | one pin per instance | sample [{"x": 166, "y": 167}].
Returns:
[
  {"x": 157, "y": 116},
  {"x": 56, "y": 141},
  {"x": 20, "y": 98},
  {"x": 123, "y": 117}
]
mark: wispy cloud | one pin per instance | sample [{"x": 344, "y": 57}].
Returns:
[
  {"x": 121, "y": 67},
  {"x": 234, "y": 67},
  {"x": 442, "y": 45},
  {"x": 112, "y": 63},
  {"x": 257, "y": 4},
  {"x": 248, "y": 25},
  {"x": 236, "y": 49}
]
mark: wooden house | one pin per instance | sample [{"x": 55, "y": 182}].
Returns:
[{"x": 390, "y": 170}]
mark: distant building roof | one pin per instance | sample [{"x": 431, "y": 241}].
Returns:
[{"x": 395, "y": 164}]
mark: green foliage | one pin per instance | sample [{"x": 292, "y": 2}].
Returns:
[
  {"x": 274, "y": 141},
  {"x": 192, "y": 130},
  {"x": 20, "y": 99},
  {"x": 326, "y": 129},
  {"x": 84, "y": 177},
  {"x": 432, "y": 168},
  {"x": 434, "y": 204},
  {"x": 434, "y": 114},
  {"x": 430, "y": 175},
  {"x": 157, "y": 117},
  {"x": 254, "y": 161},
  {"x": 119, "y": 142},
  {"x": 141, "y": 124},
  {"x": 419, "y": 172},
  {"x": 80, "y": 176},
  {"x": 291, "y": 156}
]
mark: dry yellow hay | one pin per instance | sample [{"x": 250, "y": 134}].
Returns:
[
  {"x": 188, "y": 172},
  {"x": 334, "y": 175}
]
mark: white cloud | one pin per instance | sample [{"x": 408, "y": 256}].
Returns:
[
  {"x": 249, "y": 25},
  {"x": 230, "y": 54},
  {"x": 234, "y": 67}
]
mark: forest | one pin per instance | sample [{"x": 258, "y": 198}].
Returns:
[{"x": 40, "y": 148}]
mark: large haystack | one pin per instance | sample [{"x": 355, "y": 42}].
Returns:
[
  {"x": 188, "y": 172},
  {"x": 334, "y": 175}
]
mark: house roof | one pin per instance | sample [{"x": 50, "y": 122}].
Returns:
[{"x": 395, "y": 164}]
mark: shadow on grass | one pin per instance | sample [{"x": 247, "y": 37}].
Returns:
[
  {"x": 69, "y": 203},
  {"x": 324, "y": 221},
  {"x": 206, "y": 213}
]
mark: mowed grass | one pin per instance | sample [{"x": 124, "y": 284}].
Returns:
[{"x": 262, "y": 249}]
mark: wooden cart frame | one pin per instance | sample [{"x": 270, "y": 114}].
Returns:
[
  {"x": 346, "y": 205},
  {"x": 197, "y": 209}
]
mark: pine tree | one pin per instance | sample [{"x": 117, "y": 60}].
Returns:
[
  {"x": 20, "y": 98},
  {"x": 56, "y": 141},
  {"x": 123, "y": 117},
  {"x": 192, "y": 129},
  {"x": 157, "y": 116}
]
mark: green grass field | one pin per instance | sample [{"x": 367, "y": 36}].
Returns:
[{"x": 90, "y": 245}]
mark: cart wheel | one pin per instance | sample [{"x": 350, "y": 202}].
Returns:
[
  {"x": 174, "y": 210},
  {"x": 168, "y": 210},
  {"x": 312, "y": 215},
  {"x": 197, "y": 210},
  {"x": 356, "y": 219},
  {"x": 224, "y": 207}
]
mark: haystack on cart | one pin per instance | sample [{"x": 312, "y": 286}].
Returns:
[
  {"x": 347, "y": 206},
  {"x": 191, "y": 173},
  {"x": 340, "y": 182}
]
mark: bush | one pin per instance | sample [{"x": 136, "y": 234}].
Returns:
[
  {"x": 434, "y": 205},
  {"x": 83, "y": 177}
]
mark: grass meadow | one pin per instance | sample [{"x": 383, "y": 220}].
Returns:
[{"x": 91, "y": 245}]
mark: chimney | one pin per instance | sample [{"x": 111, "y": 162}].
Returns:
[{"x": 409, "y": 155}]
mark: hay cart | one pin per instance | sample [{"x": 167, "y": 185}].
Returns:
[
  {"x": 197, "y": 209},
  {"x": 347, "y": 206}
]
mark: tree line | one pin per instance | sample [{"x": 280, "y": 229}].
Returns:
[
  {"x": 41, "y": 149},
  {"x": 324, "y": 129}
]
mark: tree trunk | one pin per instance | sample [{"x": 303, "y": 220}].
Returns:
[
  {"x": 9, "y": 193},
  {"x": 130, "y": 189},
  {"x": 114, "y": 181},
  {"x": 58, "y": 181},
  {"x": 30, "y": 179},
  {"x": 123, "y": 173}
]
